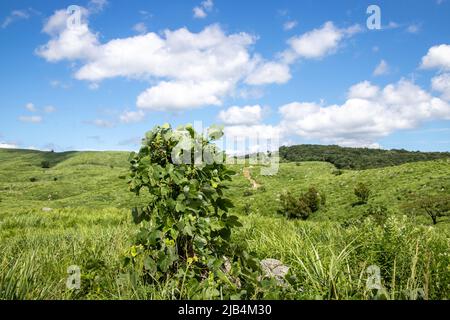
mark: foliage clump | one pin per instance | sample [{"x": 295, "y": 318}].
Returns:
[
  {"x": 303, "y": 206},
  {"x": 45, "y": 164},
  {"x": 362, "y": 192},
  {"x": 434, "y": 206},
  {"x": 186, "y": 227}
]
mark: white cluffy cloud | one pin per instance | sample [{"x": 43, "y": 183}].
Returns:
[
  {"x": 269, "y": 72},
  {"x": 248, "y": 115},
  {"x": 188, "y": 70},
  {"x": 369, "y": 114},
  {"x": 202, "y": 10},
  {"x": 201, "y": 68},
  {"x": 441, "y": 83},
  {"x": 318, "y": 43},
  {"x": 438, "y": 57}
]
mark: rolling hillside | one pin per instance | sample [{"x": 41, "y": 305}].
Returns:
[{"x": 78, "y": 212}]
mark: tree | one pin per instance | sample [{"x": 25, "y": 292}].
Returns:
[
  {"x": 362, "y": 192},
  {"x": 434, "y": 206}
]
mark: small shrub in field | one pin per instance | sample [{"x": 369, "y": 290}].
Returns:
[
  {"x": 294, "y": 208},
  {"x": 378, "y": 213},
  {"x": 362, "y": 192},
  {"x": 247, "y": 193},
  {"x": 186, "y": 228},
  {"x": 33, "y": 179},
  {"x": 303, "y": 206},
  {"x": 312, "y": 199},
  {"x": 45, "y": 164},
  {"x": 337, "y": 172}
]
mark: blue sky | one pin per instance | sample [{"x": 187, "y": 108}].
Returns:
[{"x": 305, "y": 71}]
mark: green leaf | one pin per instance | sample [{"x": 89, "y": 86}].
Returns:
[
  {"x": 150, "y": 264},
  {"x": 215, "y": 132}
]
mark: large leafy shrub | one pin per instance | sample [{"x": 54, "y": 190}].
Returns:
[
  {"x": 303, "y": 206},
  {"x": 186, "y": 229}
]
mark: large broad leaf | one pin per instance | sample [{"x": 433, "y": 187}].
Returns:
[
  {"x": 150, "y": 265},
  {"x": 139, "y": 215},
  {"x": 224, "y": 204},
  {"x": 215, "y": 132}
]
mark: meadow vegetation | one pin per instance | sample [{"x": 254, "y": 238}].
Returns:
[{"x": 77, "y": 211}]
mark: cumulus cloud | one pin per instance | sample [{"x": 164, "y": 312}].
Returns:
[
  {"x": 68, "y": 43},
  {"x": 202, "y": 10},
  {"x": 31, "y": 119},
  {"x": 269, "y": 72},
  {"x": 319, "y": 42},
  {"x": 246, "y": 139},
  {"x": 188, "y": 69},
  {"x": 381, "y": 69},
  {"x": 365, "y": 116},
  {"x": 248, "y": 115},
  {"x": 363, "y": 90},
  {"x": 438, "y": 57},
  {"x": 180, "y": 95},
  {"x": 202, "y": 68},
  {"x": 441, "y": 83}
]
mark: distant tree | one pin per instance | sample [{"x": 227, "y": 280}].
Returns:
[
  {"x": 362, "y": 191},
  {"x": 45, "y": 164},
  {"x": 434, "y": 206}
]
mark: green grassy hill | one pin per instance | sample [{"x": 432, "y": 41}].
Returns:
[{"x": 86, "y": 221}]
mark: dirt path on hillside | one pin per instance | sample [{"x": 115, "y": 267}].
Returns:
[{"x": 246, "y": 172}]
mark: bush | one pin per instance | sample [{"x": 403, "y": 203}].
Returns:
[
  {"x": 303, "y": 206},
  {"x": 378, "y": 213},
  {"x": 186, "y": 228},
  {"x": 33, "y": 179},
  {"x": 45, "y": 164},
  {"x": 362, "y": 192}
]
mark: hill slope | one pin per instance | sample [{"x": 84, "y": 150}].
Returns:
[{"x": 89, "y": 225}]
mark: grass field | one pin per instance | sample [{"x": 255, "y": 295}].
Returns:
[{"x": 77, "y": 212}]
